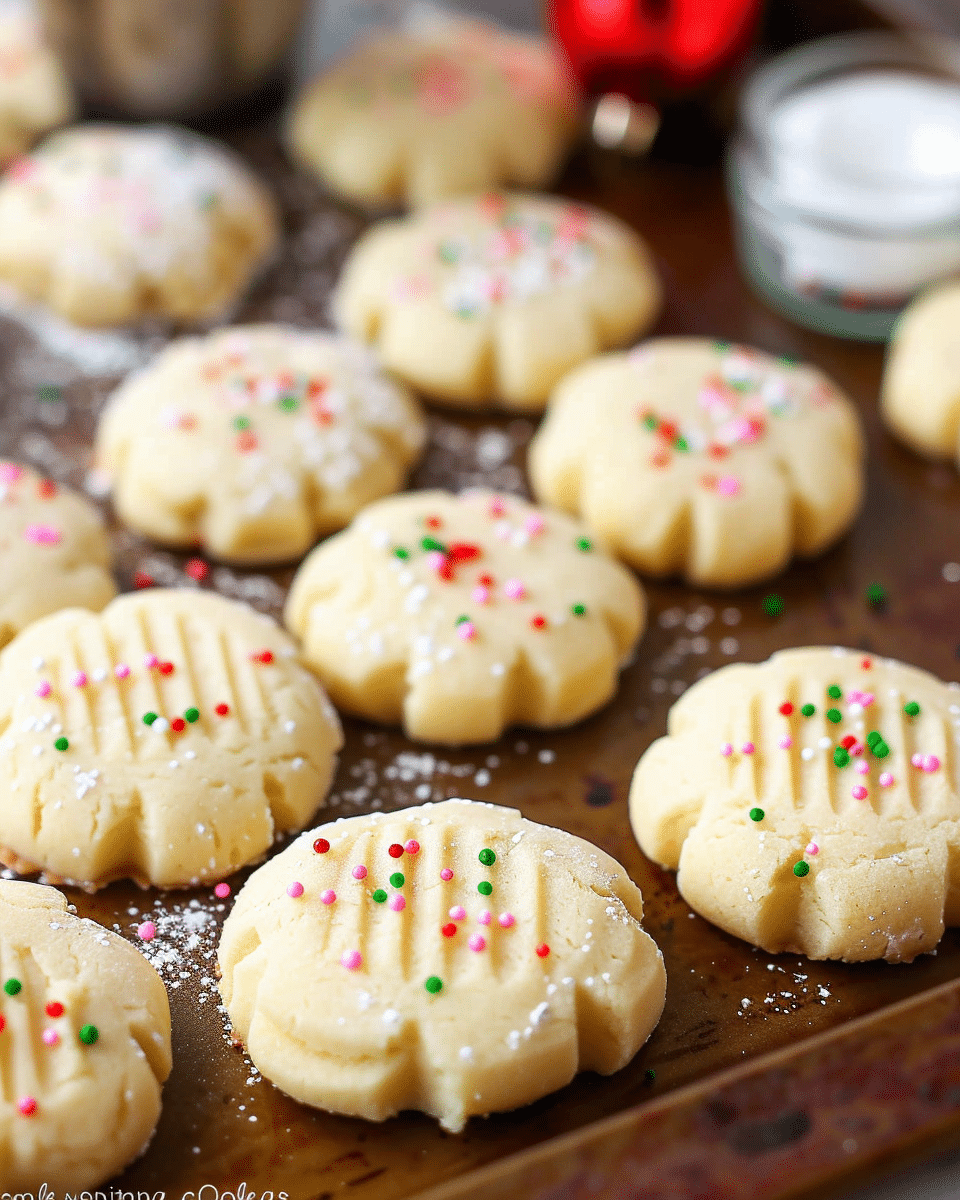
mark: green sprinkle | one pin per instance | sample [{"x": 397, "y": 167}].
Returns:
[
  {"x": 61, "y": 744},
  {"x": 447, "y": 252},
  {"x": 397, "y": 880},
  {"x": 434, "y": 984},
  {"x": 579, "y": 610},
  {"x": 681, "y": 445},
  {"x": 787, "y": 360},
  {"x": 773, "y": 605},
  {"x": 584, "y": 544},
  {"x": 429, "y": 543},
  {"x": 379, "y": 895},
  {"x": 880, "y": 749},
  {"x": 808, "y": 710},
  {"x": 650, "y": 422},
  {"x": 460, "y": 620},
  {"x": 834, "y": 692},
  {"x": 873, "y": 737},
  {"x": 192, "y": 715},
  {"x": 13, "y": 987},
  {"x": 912, "y": 709},
  {"x": 400, "y": 553},
  {"x": 841, "y": 757},
  {"x": 721, "y": 347},
  {"x": 757, "y": 814},
  {"x": 876, "y": 595},
  {"x": 834, "y": 715},
  {"x": 149, "y": 718},
  {"x": 649, "y": 1076},
  {"x": 241, "y": 423},
  {"x": 800, "y": 869},
  {"x": 288, "y": 403},
  {"x": 484, "y": 888},
  {"x": 487, "y": 857},
  {"x": 49, "y": 391},
  {"x": 89, "y": 1034}
]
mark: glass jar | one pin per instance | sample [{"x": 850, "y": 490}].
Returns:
[{"x": 844, "y": 177}]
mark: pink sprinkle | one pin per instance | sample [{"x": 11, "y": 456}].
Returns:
[
  {"x": 446, "y": 874},
  {"x": 150, "y": 661},
  {"x": 481, "y": 595},
  {"x": 727, "y": 485},
  {"x": 726, "y": 749},
  {"x": 147, "y": 931},
  {"x": 412, "y": 847},
  {"x": 862, "y": 767},
  {"x": 50, "y": 1037},
  {"x": 534, "y": 523},
  {"x": 79, "y": 679},
  {"x": 360, "y": 871},
  {"x": 484, "y": 918},
  {"x": 222, "y": 891},
  {"x": 121, "y": 670},
  {"x": 435, "y": 560},
  {"x": 10, "y": 472},
  {"x": 785, "y": 742},
  {"x": 397, "y": 903},
  {"x": 467, "y": 631},
  {"x": 42, "y": 689},
  {"x": 812, "y": 849},
  {"x": 886, "y": 779},
  {"x": 328, "y": 896},
  {"x": 514, "y": 589},
  {"x": 930, "y": 763},
  {"x": 295, "y": 890},
  {"x": 856, "y": 749},
  {"x": 497, "y": 508},
  {"x": 507, "y": 920},
  {"x": 458, "y": 913},
  {"x": 351, "y": 959},
  {"x": 477, "y": 942},
  {"x": 42, "y": 535},
  {"x": 866, "y": 699},
  {"x": 916, "y": 760},
  {"x": 859, "y": 792},
  {"x": 748, "y": 747},
  {"x": 26, "y": 1106}
]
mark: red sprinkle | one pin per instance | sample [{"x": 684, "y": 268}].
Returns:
[
  {"x": 395, "y": 851},
  {"x": 866, "y": 664},
  {"x": 485, "y": 580},
  {"x": 543, "y": 950},
  {"x": 262, "y": 656},
  {"x": 718, "y": 451},
  {"x": 165, "y": 668},
  {"x": 538, "y": 621},
  {"x": 3, "y": 1022},
  {"x": 222, "y": 710},
  {"x": 178, "y": 724},
  {"x": 27, "y": 1106},
  {"x": 848, "y": 741},
  {"x": 449, "y": 929},
  {"x": 786, "y": 708},
  {"x": 46, "y": 489},
  {"x": 142, "y": 580},
  {"x": 54, "y": 1009},
  {"x": 246, "y": 441},
  {"x": 197, "y": 569},
  {"x": 464, "y": 552},
  {"x": 321, "y": 846},
  {"x": 433, "y": 522}
]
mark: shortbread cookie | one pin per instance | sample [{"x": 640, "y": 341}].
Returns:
[
  {"x": 422, "y": 116},
  {"x": 811, "y": 804},
  {"x": 279, "y": 436},
  {"x": 108, "y": 224},
  {"x": 54, "y": 550},
  {"x": 461, "y": 615},
  {"x": 168, "y": 739},
  {"x": 920, "y": 399},
  {"x": 34, "y": 93},
  {"x": 84, "y": 1046},
  {"x": 453, "y": 958},
  {"x": 492, "y": 299},
  {"x": 699, "y": 458}
]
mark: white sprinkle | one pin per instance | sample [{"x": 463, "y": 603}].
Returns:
[
  {"x": 825, "y": 743},
  {"x": 296, "y": 764},
  {"x": 391, "y": 1017},
  {"x": 289, "y": 726},
  {"x": 729, "y": 645},
  {"x": 951, "y": 572},
  {"x": 466, "y": 1053},
  {"x": 513, "y": 1039},
  {"x": 806, "y": 753},
  {"x": 540, "y": 1013},
  {"x": 497, "y": 669},
  {"x": 546, "y": 756}
]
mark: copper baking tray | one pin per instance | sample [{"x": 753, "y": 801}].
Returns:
[{"x": 768, "y": 1075}]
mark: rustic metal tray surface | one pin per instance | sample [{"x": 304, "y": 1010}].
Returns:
[{"x": 760, "y": 1079}]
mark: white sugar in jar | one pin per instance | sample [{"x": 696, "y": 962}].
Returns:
[{"x": 845, "y": 178}]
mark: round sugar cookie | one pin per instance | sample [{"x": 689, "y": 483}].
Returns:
[
  {"x": 34, "y": 93},
  {"x": 54, "y": 550},
  {"x": 453, "y": 958},
  {"x": 84, "y": 1046},
  {"x": 419, "y": 116},
  {"x": 920, "y": 396},
  {"x": 811, "y": 804},
  {"x": 460, "y": 615},
  {"x": 491, "y": 299},
  {"x": 279, "y": 437},
  {"x": 109, "y": 223},
  {"x": 168, "y": 739},
  {"x": 699, "y": 458}
]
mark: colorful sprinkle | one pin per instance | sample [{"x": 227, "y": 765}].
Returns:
[
  {"x": 222, "y": 891},
  {"x": 42, "y": 535},
  {"x": 42, "y": 689},
  {"x": 397, "y": 879},
  {"x": 841, "y": 757},
  {"x": 379, "y": 896},
  {"x": 466, "y": 630},
  {"x": 538, "y": 621},
  {"x": 79, "y": 679},
  {"x": 506, "y": 920},
  {"x": 748, "y": 748},
  {"x": 150, "y": 661},
  {"x": 808, "y": 710},
  {"x": 485, "y": 917},
  {"x": 192, "y": 715},
  {"x": 149, "y": 718},
  {"x": 579, "y": 610},
  {"x": 859, "y": 792},
  {"x": 834, "y": 692},
  {"x": 834, "y": 715},
  {"x": 757, "y": 814},
  {"x": 26, "y": 1106},
  {"x": 448, "y": 930},
  {"x": 412, "y": 846},
  {"x": 912, "y": 709},
  {"x": 197, "y": 569},
  {"x": 785, "y": 709},
  {"x": 328, "y": 896},
  {"x": 477, "y": 942},
  {"x": 359, "y": 871},
  {"x": 121, "y": 671},
  {"x": 446, "y": 874},
  {"x": 886, "y": 779},
  {"x": 433, "y": 984},
  {"x": 773, "y": 605},
  {"x": 397, "y": 903},
  {"x": 513, "y": 589},
  {"x": 50, "y": 1037},
  {"x": 147, "y": 931},
  {"x": 222, "y": 710},
  {"x": 726, "y": 749},
  {"x": 351, "y": 959},
  {"x": 89, "y": 1035},
  {"x": 395, "y": 851},
  {"x": 584, "y": 544},
  {"x": 543, "y": 950},
  {"x": 812, "y": 849},
  {"x": 785, "y": 742},
  {"x": 295, "y": 890},
  {"x": 484, "y": 888},
  {"x": 61, "y": 744},
  {"x": 800, "y": 869},
  {"x": 876, "y": 595},
  {"x": 178, "y": 724},
  {"x": 487, "y": 857}
]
